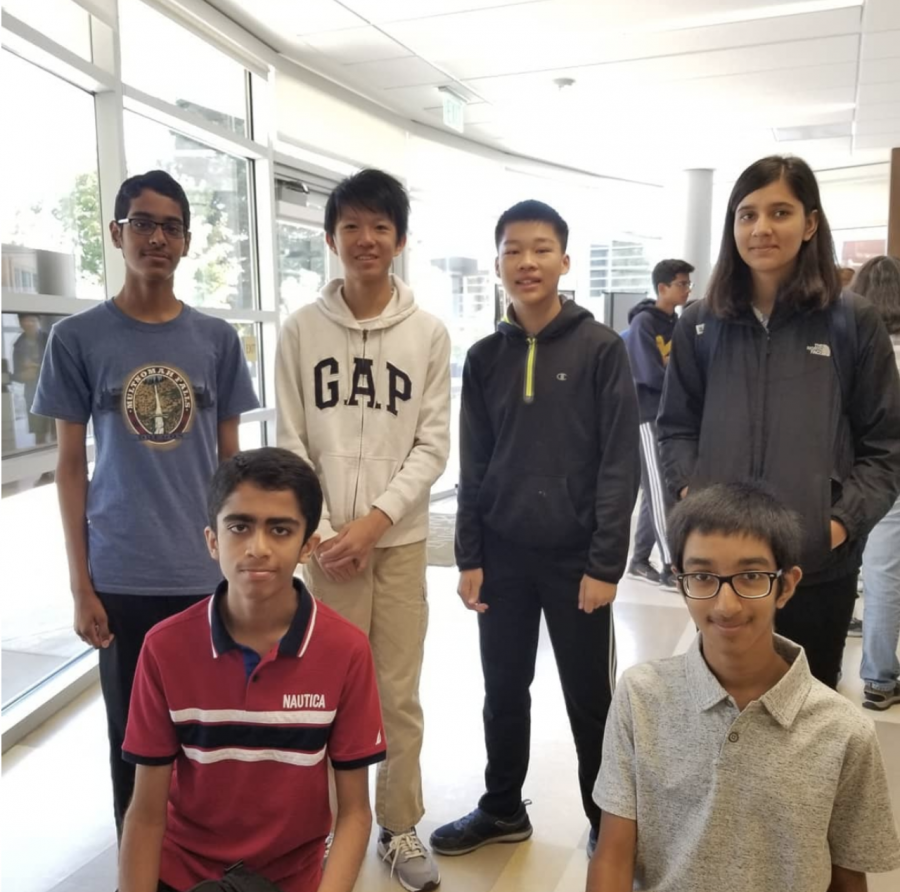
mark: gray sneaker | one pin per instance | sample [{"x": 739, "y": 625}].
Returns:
[
  {"x": 854, "y": 630},
  {"x": 410, "y": 861},
  {"x": 877, "y": 699}
]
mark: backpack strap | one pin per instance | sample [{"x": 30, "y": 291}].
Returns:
[{"x": 844, "y": 343}]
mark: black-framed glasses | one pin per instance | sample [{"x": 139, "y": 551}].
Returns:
[
  {"x": 146, "y": 226},
  {"x": 751, "y": 584}
]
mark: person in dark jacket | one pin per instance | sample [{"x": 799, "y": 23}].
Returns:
[
  {"x": 548, "y": 479},
  {"x": 652, "y": 323},
  {"x": 757, "y": 389}
]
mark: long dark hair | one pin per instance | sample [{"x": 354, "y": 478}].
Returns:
[
  {"x": 814, "y": 283},
  {"x": 878, "y": 279}
]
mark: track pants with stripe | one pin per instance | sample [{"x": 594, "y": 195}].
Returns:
[
  {"x": 519, "y": 585},
  {"x": 659, "y": 499}
]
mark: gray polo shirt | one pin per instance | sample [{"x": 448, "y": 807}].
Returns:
[{"x": 764, "y": 799}]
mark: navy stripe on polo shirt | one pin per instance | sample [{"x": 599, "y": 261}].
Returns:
[{"x": 250, "y": 776}]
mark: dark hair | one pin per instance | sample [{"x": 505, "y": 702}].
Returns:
[
  {"x": 268, "y": 468},
  {"x": 737, "y": 509},
  {"x": 532, "y": 211},
  {"x": 370, "y": 190},
  {"x": 666, "y": 271},
  {"x": 156, "y": 181},
  {"x": 878, "y": 279},
  {"x": 815, "y": 282}
]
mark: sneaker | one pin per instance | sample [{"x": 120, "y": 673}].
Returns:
[
  {"x": 854, "y": 630},
  {"x": 667, "y": 580},
  {"x": 478, "y": 829},
  {"x": 644, "y": 570},
  {"x": 592, "y": 842},
  {"x": 876, "y": 699},
  {"x": 410, "y": 861}
]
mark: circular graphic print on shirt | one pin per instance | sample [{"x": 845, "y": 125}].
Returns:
[{"x": 159, "y": 404}]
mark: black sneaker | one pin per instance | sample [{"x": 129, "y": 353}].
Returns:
[
  {"x": 478, "y": 829},
  {"x": 667, "y": 580},
  {"x": 644, "y": 570},
  {"x": 592, "y": 842}
]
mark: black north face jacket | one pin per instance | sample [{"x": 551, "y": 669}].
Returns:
[
  {"x": 549, "y": 454},
  {"x": 768, "y": 405}
]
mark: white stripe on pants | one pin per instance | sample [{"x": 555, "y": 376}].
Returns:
[{"x": 655, "y": 487}]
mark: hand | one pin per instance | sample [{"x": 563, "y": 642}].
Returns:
[
  {"x": 839, "y": 534},
  {"x": 352, "y": 546},
  {"x": 593, "y": 594},
  {"x": 91, "y": 621},
  {"x": 469, "y": 589},
  {"x": 683, "y": 492},
  {"x": 332, "y": 573}
]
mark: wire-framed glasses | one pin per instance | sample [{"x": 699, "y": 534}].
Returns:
[{"x": 146, "y": 226}]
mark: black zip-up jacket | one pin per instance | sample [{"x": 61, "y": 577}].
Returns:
[
  {"x": 770, "y": 407},
  {"x": 549, "y": 442}
]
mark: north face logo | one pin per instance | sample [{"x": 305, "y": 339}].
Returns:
[{"x": 819, "y": 350}]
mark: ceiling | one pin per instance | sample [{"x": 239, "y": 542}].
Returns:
[{"x": 659, "y": 85}]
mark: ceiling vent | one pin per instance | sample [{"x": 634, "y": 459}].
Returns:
[{"x": 813, "y": 131}]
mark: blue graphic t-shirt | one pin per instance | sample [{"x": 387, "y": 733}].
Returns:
[{"x": 156, "y": 394}]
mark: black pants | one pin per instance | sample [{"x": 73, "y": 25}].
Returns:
[
  {"x": 656, "y": 494},
  {"x": 519, "y": 583},
  {"x": 644, "y": 534},
  {"x": 817, "y": 618},
  {"x": 130, "y": 618}
]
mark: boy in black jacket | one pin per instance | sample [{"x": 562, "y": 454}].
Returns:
[
  {"x": 652, "y": 323},
  {"x": 548, "y": 479}
]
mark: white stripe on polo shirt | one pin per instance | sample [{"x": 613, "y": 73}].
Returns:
[
  {"x": 249, "y": 717},
  {"x": 238, "y": 754}
]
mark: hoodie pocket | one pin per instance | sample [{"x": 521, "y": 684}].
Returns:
[
  {"x": 534, "y": 509},
  {"x": 338, "y": 475}
]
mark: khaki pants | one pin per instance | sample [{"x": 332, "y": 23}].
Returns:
[{"x": 387, "y": 601}]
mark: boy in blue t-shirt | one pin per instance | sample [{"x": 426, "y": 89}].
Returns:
[{"x": 164, "y": 387}]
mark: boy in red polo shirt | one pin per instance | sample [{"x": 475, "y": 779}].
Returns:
[{"x": 241, "y": 701}]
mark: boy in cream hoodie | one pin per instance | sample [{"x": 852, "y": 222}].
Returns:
[{"x": 363, "y": 394}]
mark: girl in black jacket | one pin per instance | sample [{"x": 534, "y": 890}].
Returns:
[{"x": 776, "y": 376}]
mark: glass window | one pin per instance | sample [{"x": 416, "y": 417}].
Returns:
[
  {"x": 248, "y": 332},
  {"x": 51, "y": 229},
  {"x": 218, "y": 269},
  {"x": 24, "y": 341},
  {"x": 168, "y": 62},
  {"x": 38, "y": 638},
  {"x": 62, "y": 21},
  {"x": 855, "y": 246},
  {"x": 302, "y": 262},
  {"x": 252, "y": 435}
]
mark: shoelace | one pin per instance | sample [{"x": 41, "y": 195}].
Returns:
[{"x": 406, "y": 844}]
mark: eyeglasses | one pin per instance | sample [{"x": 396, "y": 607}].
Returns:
[
  {"x": 749, "y": 585},
  {"x": 146, "y": 226},
  {"x": 687, "y": 286}
]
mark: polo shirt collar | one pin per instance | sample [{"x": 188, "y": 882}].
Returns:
[
  {"x": 295, "y": 640},
  {"x": 782, "y": 702}
]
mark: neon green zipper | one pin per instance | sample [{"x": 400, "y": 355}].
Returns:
[{"x": 529, "y": 370}]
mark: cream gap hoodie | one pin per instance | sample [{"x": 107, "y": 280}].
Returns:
[{"x": 367, "y": 404}]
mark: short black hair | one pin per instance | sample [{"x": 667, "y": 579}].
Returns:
[
  {"x": 532, "y": 211},
  {"x": 878, "y": 279},
  {"x": 815, "y": 282},
  {"x": 156, "y": 181},
  {"x": 665, "y": 272},
  {"x": 371, "y": 190},
  {"x": 268, "y": 468},
  {"x": 737, "y": 509}
]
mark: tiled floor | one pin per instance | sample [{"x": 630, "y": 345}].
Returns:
[{"x": 57, "y": 827}]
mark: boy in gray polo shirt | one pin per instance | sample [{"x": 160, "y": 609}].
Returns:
[{"x": 731, "y": 767}]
